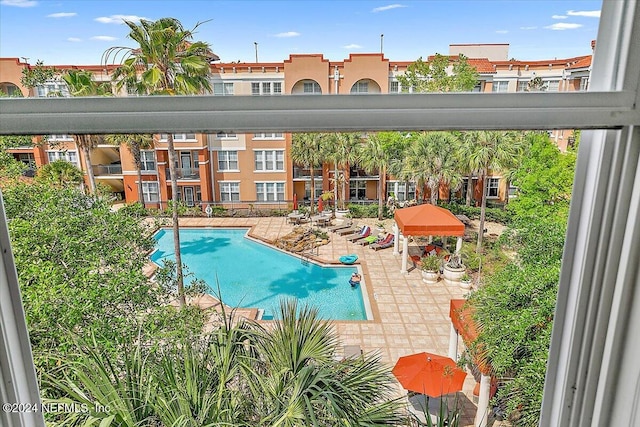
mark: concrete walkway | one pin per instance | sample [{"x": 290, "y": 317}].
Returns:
[{"x": 409, "y": 316}]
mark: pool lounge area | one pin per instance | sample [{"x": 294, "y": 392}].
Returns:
[{"x": 409, "y": 316}]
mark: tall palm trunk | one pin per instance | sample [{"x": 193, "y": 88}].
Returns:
[
  {"x": 313, "y": 190},
  {"x": 469, "y": 189},
  {"x": 380, "y": 197},
  {"x": 483, "y": 208},
  {"x": 85, "y": 146},
  {"x": 433, "y": 189},
  {"x": 174, "y": 217},
  {"x": 335, "y": 187},
  {"x": 135, "y": 151}
]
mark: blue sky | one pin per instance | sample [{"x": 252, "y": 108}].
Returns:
[{"x": 78, "y": 32}]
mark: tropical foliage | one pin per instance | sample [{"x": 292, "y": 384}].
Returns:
[
  {"x": 307, "y": 149},
  {"x": 166, "y": 61},
  {"x": 432, "y": 76},
  {"x": 240, "y": 374},
  {"x": 515, "y": 309}
]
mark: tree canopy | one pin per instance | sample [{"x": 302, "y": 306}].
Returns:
[{"x": 440, "y": 74}]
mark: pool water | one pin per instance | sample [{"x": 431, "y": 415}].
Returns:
[{"x": 251, "y": 274}]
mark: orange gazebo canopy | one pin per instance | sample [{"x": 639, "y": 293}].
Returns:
[{"x": 428, "y": 220}]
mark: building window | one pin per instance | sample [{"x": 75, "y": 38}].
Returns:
[
  {"x": 513, "y": 191},
  {"x": 265, "y": 135},
  {"x": 226, "y": 135},
  {"x": 150, "y": 191},
  {"x": 147, "y": 160},
  {"x": 492, "y": 187},
  {"x": 53, "y": 89},
  {"x": 69, "y": 156},
  {"x": 394, "y": 87},
  {"x": 269, "y": 160},
  {"x": 311, "y": 87},
  {"x": 307, "y": 188},
  {"x": 269, "y": 191},
  {"x": 357, "y": 189},
  {"x": 584, "y": 83},
  {"x": 523, "y": 85},
  {"x": 179, "y": 137},
  {"x": 60, "y": 137},
  {"x": 500, "y": 86},
  {"x": 266, "y": 88},
  {"x": 223, "y": 89},
  {"x": 553, "y": 85},
  {"x": 361, "y": 86},
  {"x": 229, "y": 191},
  {"x": 401, "y": 190},
  {"x": 227, "y": 160}
]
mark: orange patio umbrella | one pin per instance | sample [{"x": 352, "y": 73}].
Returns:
[
  {"x": 295, "y": 202},
  {"x": 320, "y": 207},
  {"x": 429, "y": 374}
]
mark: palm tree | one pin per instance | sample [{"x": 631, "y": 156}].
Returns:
[
  {"x": 166, "y": 62},
  {"x": 490, "y": 150},
  {"x": 135, "y": 142},
  {"x": 342, "y": 150},
  {"x": 307, "y": 149},
  {"x": 432, "y": 161},
  {"x": 375, "y": 158},
  {"x": 60, "y": 173},
  {"x": 81, "y": 83}
]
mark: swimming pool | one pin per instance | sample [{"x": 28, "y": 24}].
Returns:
[{"x": 251, "y": 274}]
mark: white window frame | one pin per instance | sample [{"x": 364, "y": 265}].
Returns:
[
  {"x": 149, "y": 189},
  {"x": 361, "y": 86},
  {"x": 226, "y": 135},
  {"x": 60, "y": 137},
  {"x": 70, "y": 156},
  {"x": 500, "y": 86},
  {"x": 222, "y": 88},
  {"x": 263, "y": 164},
  {"x": 493, "y": 183},
  {"x": 593, "y": 372},
  {"x": 147, "y": 158},
  {"x": 226, "y": 163},
  {"x": 179, "y": 137},
  {"x": 268, "y": 135},
  {"x": 266, "y": 188},
  {"x": 266, "y": 88},
  {"x": 228, "y": 188}
]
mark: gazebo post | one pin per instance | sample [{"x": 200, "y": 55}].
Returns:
[
  {"x": 396, "y": 239},
  {"x": 459, "y": 245},
  {"x": 453, "y": 343},
  {"x": 482, "y": 413},
  {"x": 405, "y": 254}
]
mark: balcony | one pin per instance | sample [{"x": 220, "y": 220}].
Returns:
[
  {"x": 101, "y": 170},
  {"x": 185, "y": 173},
  {"x": 304, "y": 173}
]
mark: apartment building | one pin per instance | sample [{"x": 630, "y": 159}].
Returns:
[{"x": 238, "y": 170}]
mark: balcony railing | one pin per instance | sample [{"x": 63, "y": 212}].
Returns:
[
  {"x": 99, "y": 170},
  {"x": 185, "y": 173}
]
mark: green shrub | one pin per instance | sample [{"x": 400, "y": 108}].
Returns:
[{"x": 135, "y": 209}]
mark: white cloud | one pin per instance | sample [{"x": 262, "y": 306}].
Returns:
[
  {"x": 104, "y": 38},
  {"x": 563, "y": 26},
  {"x": 502, "y": 31},
  {"x": 288, "y": 34},
  {"x": 389, "y": 7},
  {"x": 559, "y": 17},
  {"x": 528, "y": 28},
  {"x": 19, "y": 3},
  {"x": 587, "y": 13},
  {"x": 119, "y": 19},
  {"x": 352, "y": 46},
  {"x": 62, "y": 15},
  {"x": 74, "y": 39}
]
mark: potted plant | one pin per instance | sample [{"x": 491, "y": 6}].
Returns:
[
  {"x": 465, "y": 281},
  {"x": 453, "y": 270},
  {"x": 430, "y": 268}
]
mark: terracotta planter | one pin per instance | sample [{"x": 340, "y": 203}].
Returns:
[
  {"x": 452, "y": 275},
  {"x": 429, "y": 276}
]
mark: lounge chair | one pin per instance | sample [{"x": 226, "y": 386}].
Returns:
[
  {"x": 386, "y": 243},
  {"x": 345, "y": 224},
  {"x": 369, "y": 240},
  {"x": 350, "y": 230},
  {"x": 366, "y": 232}
]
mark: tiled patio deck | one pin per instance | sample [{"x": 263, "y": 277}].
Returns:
[{"x": 410, "y": 316}]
